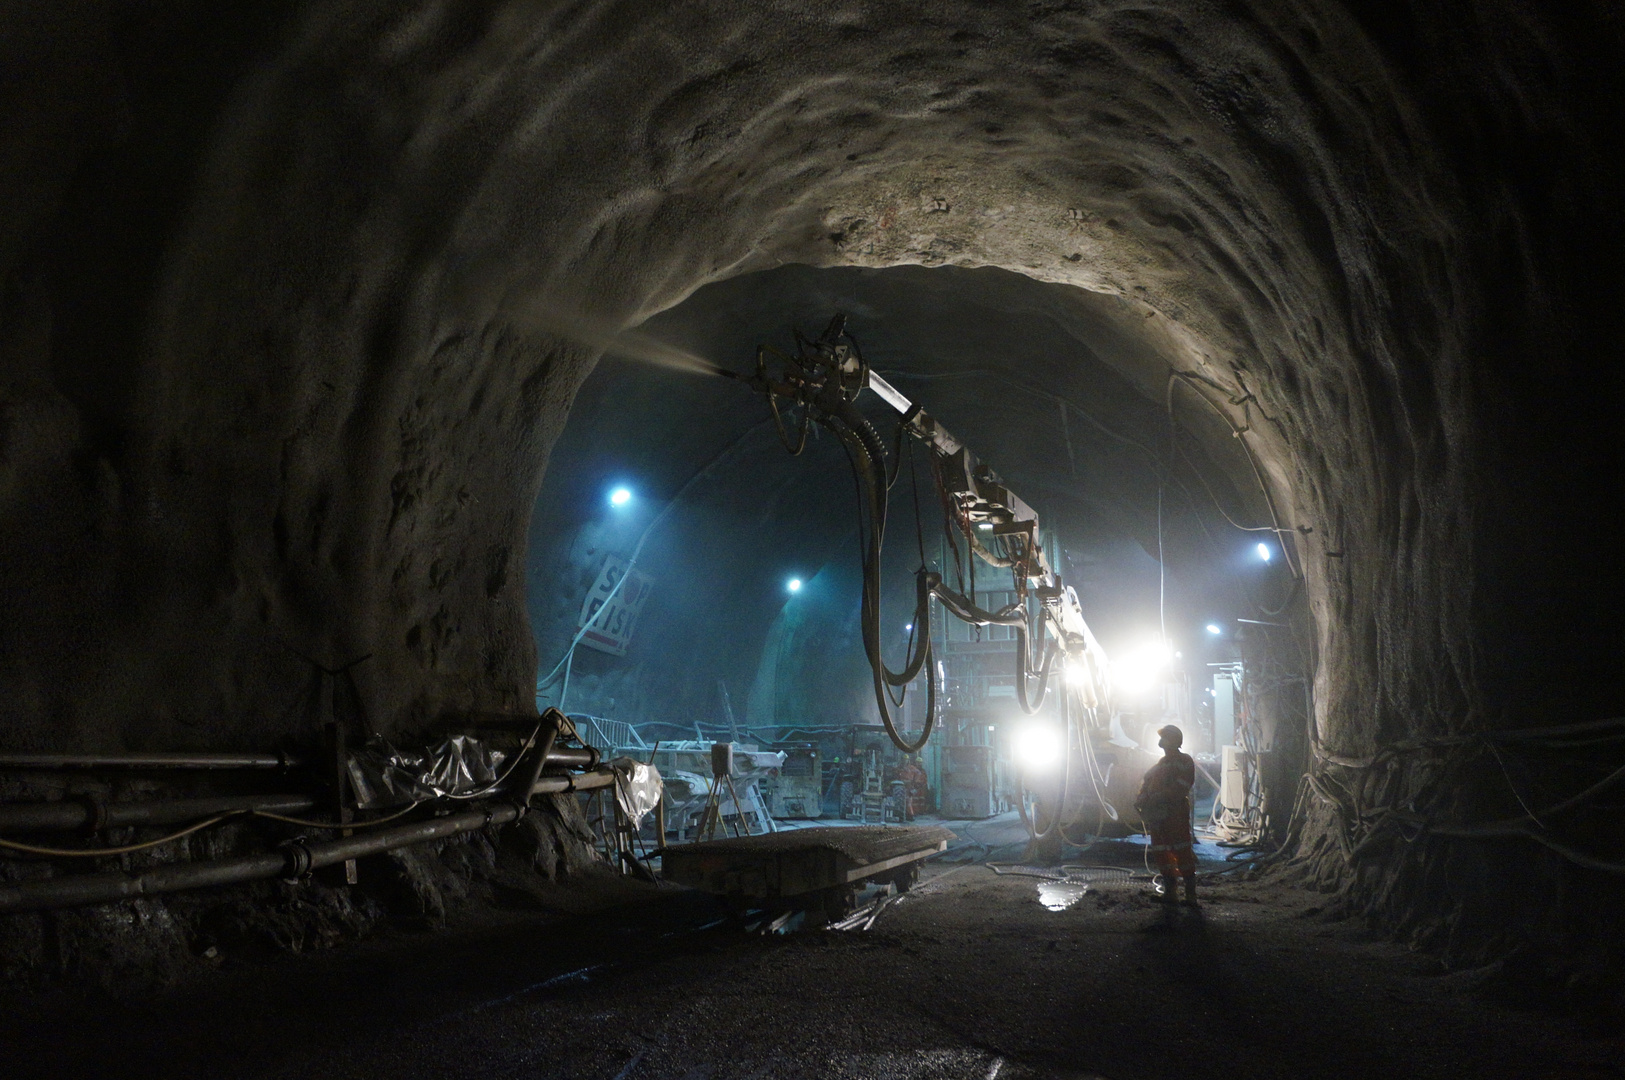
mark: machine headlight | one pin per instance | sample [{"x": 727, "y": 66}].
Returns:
[
  {"x": 1037, "y": 747},
  {"x": 1139, "y": 669}
]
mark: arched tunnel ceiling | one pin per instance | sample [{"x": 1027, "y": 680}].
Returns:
[
  {"x": 1049, "y": 384},
  {"x": 356, "y": 358},
  {"x": 1154, "y": 155}
]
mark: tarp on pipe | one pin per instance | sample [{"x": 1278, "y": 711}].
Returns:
[{"x": 638, "y": 788}]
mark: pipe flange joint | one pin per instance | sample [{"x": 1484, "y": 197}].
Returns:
[
  {"x": 298, "y": 856},
  {"x": 95, "y": 810}
]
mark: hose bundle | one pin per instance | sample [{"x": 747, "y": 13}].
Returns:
[{"x": 823, "y": 379}]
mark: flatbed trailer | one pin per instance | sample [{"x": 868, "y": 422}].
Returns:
[{"x": 816, "y": 870}]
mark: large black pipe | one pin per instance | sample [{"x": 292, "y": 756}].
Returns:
[
  {"x": 559, "y": 757},
  {"x": 105, "y": 888},
  {"x": 294, "y": 860},
  {"x": 571, "y": 757},
  {"x": 86, "y": 813},
  {"x": 83, "y": 813},
  {"x": 552, "y": 722},
  {"x": 149, "y": 761}
]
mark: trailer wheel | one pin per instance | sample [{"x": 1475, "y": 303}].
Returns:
[
  {"x": 905, "y": 878},
  {"x": 828, "y": 905}
]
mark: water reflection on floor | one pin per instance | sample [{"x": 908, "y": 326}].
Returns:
[{"x": 1060, "y": 895}]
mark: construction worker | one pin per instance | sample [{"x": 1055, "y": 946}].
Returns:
[
  {"x": 915, "y": 783},
  {"x": 1164, "y": 805}
]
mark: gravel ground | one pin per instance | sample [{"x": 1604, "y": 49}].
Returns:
[{"x": 969, "y": 975}]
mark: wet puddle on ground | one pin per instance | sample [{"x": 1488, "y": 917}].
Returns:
[{"x": 1060, "y": 895}]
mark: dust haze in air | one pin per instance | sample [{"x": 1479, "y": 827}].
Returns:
[{"x": 625, "y": 344}]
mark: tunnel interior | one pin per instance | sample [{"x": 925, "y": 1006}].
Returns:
[
  {"x": 330, "y": 331},
  {"x": 968, "y": 342}
]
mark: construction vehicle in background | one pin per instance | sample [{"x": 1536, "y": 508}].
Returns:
[{"x": 821, "y": 383}]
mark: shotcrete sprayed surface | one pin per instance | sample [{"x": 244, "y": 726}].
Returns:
[{"x": 347, "y": 408}]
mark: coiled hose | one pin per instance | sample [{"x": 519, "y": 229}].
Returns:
[
  {"x": 868, "y": 456},
  {"x": 867, "y": 453}
]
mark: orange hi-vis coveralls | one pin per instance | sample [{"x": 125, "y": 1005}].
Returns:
[{"x": 1165, "y": 807}]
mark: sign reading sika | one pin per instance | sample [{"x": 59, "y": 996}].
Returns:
[{"x": 610, "y": 624}]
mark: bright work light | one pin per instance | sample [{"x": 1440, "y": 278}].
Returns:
[
  {"x": 1264, "y": 552},
  {"x": 620, "y": 496},
  {"x": 1137, "y": 669},
  {"x": 1037, "y": 746},
  {"x": 1213, "y": 628},
  {"x": 794, "y": 584}
]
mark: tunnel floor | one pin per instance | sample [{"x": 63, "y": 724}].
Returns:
[{"x": 967, "y": 976}]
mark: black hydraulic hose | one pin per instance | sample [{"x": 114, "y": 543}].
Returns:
[
  {"x": 868, "y": 455},
  {"x": 1015, "y": 618},
  {"x": 966, "y": 611},
  {"x": 924, "y": 582},
  {"x": 1023, "y": 670},
  {"x": 987, "y": 556},
  {"x": 295, "y": 860},
  {"x": 1066, "y": 780}
]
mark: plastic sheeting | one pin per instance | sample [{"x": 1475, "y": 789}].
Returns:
[
  {"x": 638, "y": 788},
  {"x": 384, "y": 776}
]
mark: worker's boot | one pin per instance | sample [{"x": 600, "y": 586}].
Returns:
[
  {"x": 1170, "y": 895},
  {"x": 1190, "y": 889}
]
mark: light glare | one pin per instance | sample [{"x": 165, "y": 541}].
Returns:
[
  {"x": 1213, "y": 628},
  {"x": 794, "y": 584},
  {"x": 1037, "y": 746},
  {"x": 1264, "y": 552},
  {"x": 1137, "y": 669},
  {"x": 620, "y": 496}
]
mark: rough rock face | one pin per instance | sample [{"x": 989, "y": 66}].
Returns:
[{"x": 294, "y": 309}]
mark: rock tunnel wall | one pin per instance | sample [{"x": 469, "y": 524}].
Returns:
[{"x": 369, "y": 237}]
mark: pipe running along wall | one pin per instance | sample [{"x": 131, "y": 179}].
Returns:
[
  {"x": 295, "y": 860},
  {"x": 361, "y": 333}
]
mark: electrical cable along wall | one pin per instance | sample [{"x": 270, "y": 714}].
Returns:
[{"x": 456, "y": 802}]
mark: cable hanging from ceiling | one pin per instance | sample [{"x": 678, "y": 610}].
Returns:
[{"x": 819, "y": 383}]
